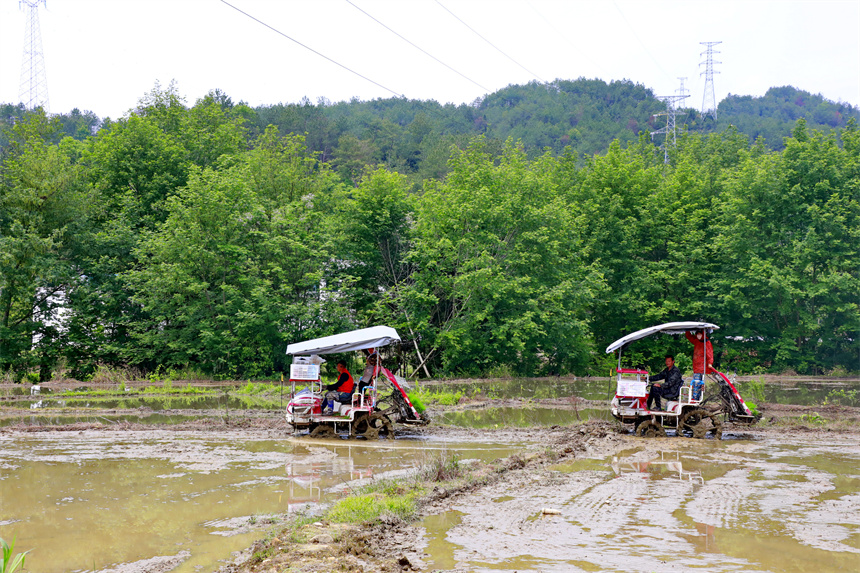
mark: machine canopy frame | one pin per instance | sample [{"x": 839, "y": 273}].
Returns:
[
  {"x": 373, "y": 337},
  {"x": 666, "y": 328}
]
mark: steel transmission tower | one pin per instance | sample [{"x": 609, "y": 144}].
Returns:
[
  {"x": 709, "y": 101},
  {"x": 682, "y": 90},
  {"x": 33, "y": 91},
  {"x": 670, "y": 113}
]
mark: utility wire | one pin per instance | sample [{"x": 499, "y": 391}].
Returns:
[
  {"x": 311, "y": 49},
  {"x": 489, "y": 42},
  {"x": 635, "y": 35},
  {"x": 560, "y": 34},
  {"x": 416, "y": 47}
]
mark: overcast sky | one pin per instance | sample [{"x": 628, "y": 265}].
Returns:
[{"x": 103, "y": 55}]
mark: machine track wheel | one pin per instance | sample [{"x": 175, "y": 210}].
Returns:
[
  {"x": 366, "y": 427},
  {"x": 323, "y": 431},
  {"x": 699, "y": 423},
  {"x": 381, "y": 424},
  {"x": 650, "y": 429}
]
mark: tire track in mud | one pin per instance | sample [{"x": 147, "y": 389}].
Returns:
[
  {"x": 615, "y": 522},
  {"x": 718, "y": 502},
  {"x": 677, "y": 505}
]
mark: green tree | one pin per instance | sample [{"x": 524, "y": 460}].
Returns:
[
  {"x": 233, "y": 274},
  {"x": 791, "y": 232},
  {"x": 43, "y": 208},
  {"x": 500, "y": 279}
]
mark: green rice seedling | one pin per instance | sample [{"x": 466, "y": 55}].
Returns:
[{"x": 11, "y": 563}]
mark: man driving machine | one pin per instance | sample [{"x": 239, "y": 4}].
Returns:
[
  {"x": 670, "y": 389},
  {"x": 340, "y": 391}
]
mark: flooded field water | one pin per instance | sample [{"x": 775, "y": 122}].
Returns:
[
  {"x": 800, "y": 392},
  {"x": 99, "y": 501},
  {"x": 184, "y": 501},
  {"x": 775, "y": 504},
  {"x": 523, "y": 417}
]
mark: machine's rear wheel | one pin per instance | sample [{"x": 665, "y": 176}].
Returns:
[
  {"x": 381, "y": 424},
  {"x": 370, "y": 426},
  {"x": 699, "y": 423},
  {"x": 650, "y": 429},
  {"x": 323, "y": 431}
]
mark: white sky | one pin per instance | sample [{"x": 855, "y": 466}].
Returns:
[{"x": 103, "y": 55}]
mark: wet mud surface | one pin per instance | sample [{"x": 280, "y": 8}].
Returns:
[
  {"x": 86, "y": 497},
  {"x": 190, "y": 489},
  {"x": 773, "y": 503}
]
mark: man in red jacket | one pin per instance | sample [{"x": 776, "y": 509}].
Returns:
[
  {"x": 340, "y": 391},
  {"x": 703, "y": 352}
]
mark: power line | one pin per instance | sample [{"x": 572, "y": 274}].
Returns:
[
  {"x": 635, "y": 35},
  {"x": 489, "y": 42},
  {"x": 311, "y": 49},
  {"x": 416, "y": 47},
  {"x": 563, "y": 36}
]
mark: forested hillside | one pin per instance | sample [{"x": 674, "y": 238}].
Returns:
[
  {"x": 196, "y": 236},
  {"x": 580, "y": 116}
]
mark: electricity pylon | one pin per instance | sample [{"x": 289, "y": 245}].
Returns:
[
  {"x": 33, "y": 91},
  {"x": 709, "y": 101},
  {"x": 670, "y": 113},
  {"x": 682, "y": 90}
]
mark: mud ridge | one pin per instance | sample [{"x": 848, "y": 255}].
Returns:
[{"x": 391, "y": 544}]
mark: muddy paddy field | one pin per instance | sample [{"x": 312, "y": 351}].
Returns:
[{"x": 512, "y": 475}]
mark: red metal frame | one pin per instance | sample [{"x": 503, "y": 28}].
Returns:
[{"x": 734, "y": 390}]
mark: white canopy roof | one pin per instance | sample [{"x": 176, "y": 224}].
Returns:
[
  {"x": 373, "y": 337},
  {"x": 667, "y": 328}
]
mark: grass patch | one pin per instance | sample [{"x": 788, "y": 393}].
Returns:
[
  {"x": 842, "y": 397},
  {"x": 417, "y": 402},
  {"x": 370, "y": 507},
  {"x": 427, "y": 396},
  {"x": 441, "y": 468},
  {"x": 166, "y": 388},
  {"x": 11, "y": 561},
  {"x": 254, "y": 388},
  {"x": 378, "y": 499},
  {"x": 752, "y": 389}
]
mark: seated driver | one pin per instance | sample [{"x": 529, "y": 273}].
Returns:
[
  {"x": 370, "y": 367},
  {"x": 340, "y": 391},
  {"x": 670, "y": 389}
]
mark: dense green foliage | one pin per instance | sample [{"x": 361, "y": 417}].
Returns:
[
  {"x": 414, "y": 137},
  {"x": 773, "y": 115},
  {"x": 194, "y": 237}
]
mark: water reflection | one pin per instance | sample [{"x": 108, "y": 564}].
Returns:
[
  {"x": 522, "y": 417},
  {"x": 780, "y": 504},
  {"x": 657, "y": 467},
  {"x": 97, "y": 499}
]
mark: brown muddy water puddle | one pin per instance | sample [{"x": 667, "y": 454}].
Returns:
[
  {"x": 778, "y": 504},
  {"x": 795, "y": 391},
  {"x": 522, "y": 417},
  {"x": 183, "y": 502}
]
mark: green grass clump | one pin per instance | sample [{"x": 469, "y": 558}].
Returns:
[
  {"x": 386, "y": 497},
  {"x": 167, "y": 388},
  {"x": 369, "y": 507},
  {"x": 10, "y": 562},
  {"x": 426, "y": 396},
  {"x": 842, "y": 397},
  {"x": 415, "y": 398},
  {"x": 254, "y": 388}
]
